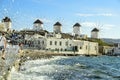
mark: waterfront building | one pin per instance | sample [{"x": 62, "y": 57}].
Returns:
[
  {"x": 105, "y": 50},
  {"x": 95, "y": 33},
  {"x": 86, "y": 47},
  {"x": 76, "y": 29},
  {"x": 70, "y": 45},
  {"x": 7, "y": 23},
  {"x": 62, "y": 45},
  {"x": 36, "y": 41},
  {"x": 38, "y": 25},
  {"x": 58, "y": 41},
  {"x": 55, "y": 44}
]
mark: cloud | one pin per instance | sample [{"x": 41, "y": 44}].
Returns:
[
  {"x": 46, "y": 20},
  {"x": 101, "y": 26},
  {"x": 88, "y": 24},
  {"x": 90, "y": 15},
  {"x": 105, "y": 14},
  {"x": 108, "y": 26}
]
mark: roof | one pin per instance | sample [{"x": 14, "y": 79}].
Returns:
[
  {"x": 6, "y": 19},
  {"x": 57, "y": 24},
  {"x": 32, "y": 32},
  {"x": 38, "y": 21},
  {"x": 77, "y": 25},
  {"x": 95, "y": 30}
]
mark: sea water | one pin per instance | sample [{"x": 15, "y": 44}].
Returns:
[{"x": 70, "y": 68}]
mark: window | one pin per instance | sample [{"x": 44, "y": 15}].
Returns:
[
  {"x": 65, "y": 49},
  {"x": 50, "y": 42},
  {"x": 38, "y": 42},
  {"x": 60, "y": 43},
  {"x": 66, "y": 43},
  {"x": 55, "y": 42},
  {"x": 95, "y": 47},
  {"x": 42, "y": 42},
  {"x": 80, "y": 47}
]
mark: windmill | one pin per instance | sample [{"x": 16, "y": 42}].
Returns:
[{"x": 99, "y": 26}]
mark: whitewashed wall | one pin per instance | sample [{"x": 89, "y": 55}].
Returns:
[
  {"x": 65, "y": 44},
  {"x": 76, "y": 30},
  {"x": 8, "y": 25},
  {"x": 94, "y": 35},
  {"x": 38, "y": 27},
  {"x": 57, "y": 29}
]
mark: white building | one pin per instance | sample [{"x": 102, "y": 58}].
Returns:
[
  {"x": 56, "y": 42},
  {"x": 35, "y": 41},
  {"x": 63, "y": 45},
  {"x": 38, "y": 25},
  {"x": 7, "y": 24},
  {"x": 2, "y": 28},
  {"x": 59, "y": 44},
  {"x": 57, "y": 27},
  {"x": 82, "y": 36},
  {"x": 86, "y": 47},
  {"x": 76, "y": 29},
  {"x": 95, "y": 33}
]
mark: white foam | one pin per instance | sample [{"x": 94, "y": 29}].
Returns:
[{"x": 38, "y": 69}]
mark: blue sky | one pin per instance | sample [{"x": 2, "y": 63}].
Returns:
[{"x": 103, "y": 14}]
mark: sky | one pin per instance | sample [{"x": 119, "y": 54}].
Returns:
[{"x": 102, "y": 14}]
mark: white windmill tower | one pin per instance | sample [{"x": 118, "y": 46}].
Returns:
[
  {"x": 57, "y": 27},
  {"x": 38, "y": 25},
  {"x": 76, "y": 29},
  {"x": 7, "y": 23},
  {"x": 95, "y": 32}
]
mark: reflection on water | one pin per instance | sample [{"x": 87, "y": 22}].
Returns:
[{"x": 70, "y": 68}]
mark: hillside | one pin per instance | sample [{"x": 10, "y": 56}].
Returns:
[{"x": 111, "y": 41}]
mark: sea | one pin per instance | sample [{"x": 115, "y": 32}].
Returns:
[{"x": 69, "y": 68}]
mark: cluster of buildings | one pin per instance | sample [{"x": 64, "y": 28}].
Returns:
[{"x": 56, "y": 41}]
